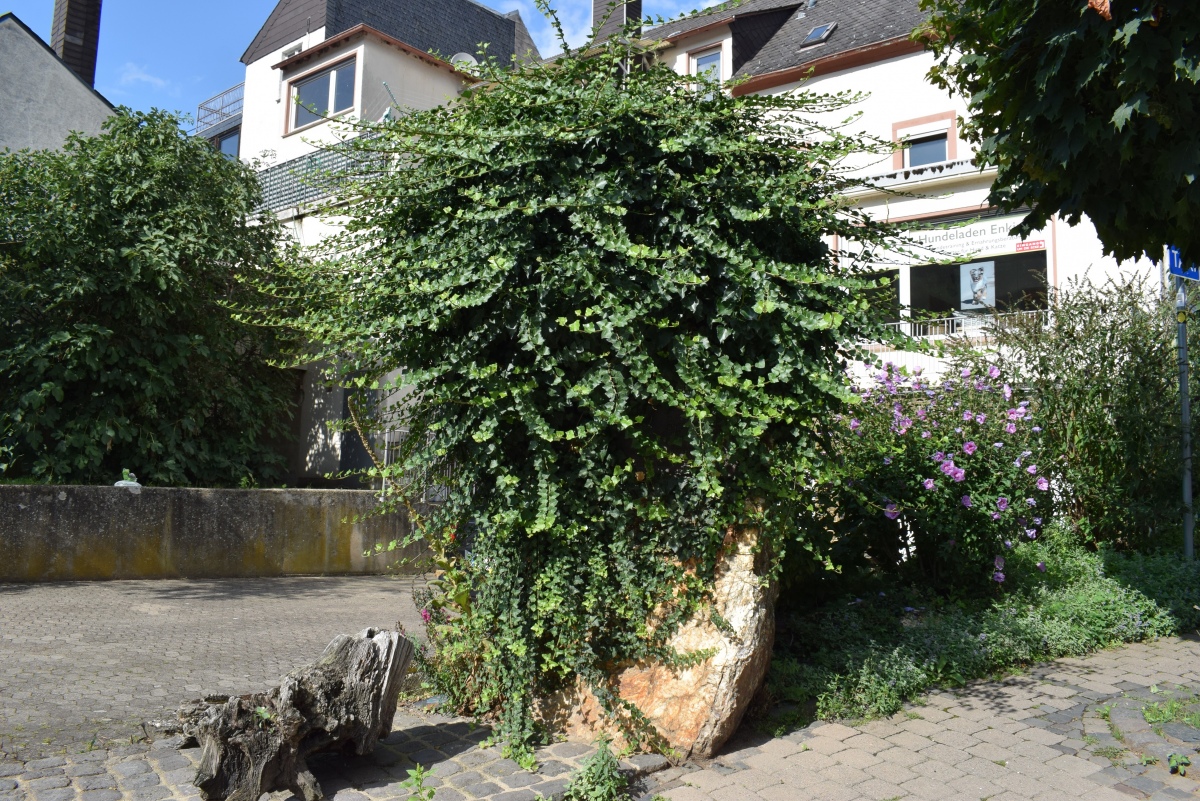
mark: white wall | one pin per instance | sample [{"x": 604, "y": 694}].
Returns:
[
  {"x": 416, "y": 83},
  {"x": 265, "y": 106}
]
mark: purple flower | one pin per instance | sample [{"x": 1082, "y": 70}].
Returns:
[
  {"x": 1031, "y": 533},
  {"x": 1041, "y": 566},
  {"x": 966, "y": 501},
  {"x": 925, "y": 435},
  {"x": 981, "y": 418},
  {"x": 939, "y": 457},
  {"x": 906, "y": 422},
  {"x": 1031, "y": 470},
  {"x": 891, "y": 512},
  {"x": 1016, "y": 462},
  {"x": 999, "y": 562},
  {"x": 1008, "y": 544},
  {"x": 1012, "y": 414},
  {"x": 959, "y": 474},
  {"x": 1030, "y": 502},
  {"x": 995, "y": 515},
  {"x": 947, "y": 467},
  {"x": 1036, "y": 429},
  {"x": 969, "y": 448},
  {"x": 998, "y": 577},
  {"x": 854, "y": 424},
  {"x": 997, "y": 445},
  {"x": 1037, "y": 521},
  {"x": 1042, "y": 484},
  {"x": 1002, "y": 503},
  {"x": 1007, "y": 392},
  {"x": 887, "y": 460},
  {"x": 958, "y": 430},
  {"x": 928, "y": 483},
  {"x": 921, "y": 413},
  {"x": 979, "y": 386},
  {"x": 966, "y": 372},
  {"x": 993, "y": 371},
  {"x": 1011, "y": 428},
  {"x": 968, "y": 415}
]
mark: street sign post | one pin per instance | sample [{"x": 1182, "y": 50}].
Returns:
[{"x": 1184, "y": 272}]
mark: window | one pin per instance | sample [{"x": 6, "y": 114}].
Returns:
[
  {"x": 927, "y": 150},
  {"x": 819, "y": 34},
  {"x": 328, "y": 92},
  {"x": 229, "y": 143},
  {"x": 1004, "y": 283},
  {"x": 708, "y": 64}
]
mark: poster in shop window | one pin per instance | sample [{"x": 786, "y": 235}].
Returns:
[{"x": 978, "y": 281}]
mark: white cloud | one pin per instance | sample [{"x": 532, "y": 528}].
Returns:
[{"x": 133, "y": 74}]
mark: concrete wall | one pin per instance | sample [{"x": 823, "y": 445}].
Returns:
[
  {"x": 41, "y": 100},
  {"x": 66, "y": 533}
]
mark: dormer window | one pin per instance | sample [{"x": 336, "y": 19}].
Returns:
[
  {"x": 927, "y": 150},
  {"x": 323, "y": 94}
]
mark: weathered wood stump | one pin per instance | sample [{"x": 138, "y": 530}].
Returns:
[{"x": 258, "y": 743}]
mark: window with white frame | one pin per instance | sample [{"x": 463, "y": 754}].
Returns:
[
  {"x": 707, "y": 64},
  {"x": 323, "y": 94}
]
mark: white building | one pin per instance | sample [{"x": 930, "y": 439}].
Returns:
[
  {"x": 830, "y": 46},
  {"x": 313, "y": 65}
]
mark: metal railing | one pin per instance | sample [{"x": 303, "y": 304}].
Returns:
[
  {"x": 964, "y": 325},
  {"x": 314, "y": 177},
  {"x": 218, "y": 109}
]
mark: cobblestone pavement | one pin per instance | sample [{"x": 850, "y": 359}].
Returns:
[{"x": 136, "y": 649}]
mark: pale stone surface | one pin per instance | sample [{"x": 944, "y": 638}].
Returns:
[{"x": 695, "y": 709}]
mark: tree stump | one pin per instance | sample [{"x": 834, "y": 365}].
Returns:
[{"x": 258, "y": 743}]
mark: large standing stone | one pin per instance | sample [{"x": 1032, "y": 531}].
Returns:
[
  {"x": 694, "y": 709},
  {"x": 258, "y": 743}
]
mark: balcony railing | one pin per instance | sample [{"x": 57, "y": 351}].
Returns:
[
  {"x": 216, "y": 110},
  {"x": 964, "y": 325}
]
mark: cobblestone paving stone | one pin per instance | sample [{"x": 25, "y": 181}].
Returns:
[{"x": 137, "y": 649}]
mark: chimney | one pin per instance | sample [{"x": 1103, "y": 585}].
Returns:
[
  {"x": 75, "y": 36},
  {"x": 618, "y": 12}
]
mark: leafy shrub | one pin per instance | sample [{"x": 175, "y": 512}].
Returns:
[
  {"x": 1103, "y": 373},
  {"x": 863, "y": 657},
  {"x": 939, "y": 477},
  {"x": 613, "y": 301},
  {"x": 117, "y": 255},
  {"x": 599, "y": 777}
]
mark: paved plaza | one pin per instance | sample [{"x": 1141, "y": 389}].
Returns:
[{"x": 82, "y": 665}]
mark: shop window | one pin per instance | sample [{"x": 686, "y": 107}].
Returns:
[{"x": 1002, "y": 283}]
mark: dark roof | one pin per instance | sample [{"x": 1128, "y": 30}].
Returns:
[
  {"x": 444, "y": 27},
  {"x": 860, "y": 23},
  {"x": 290, "y": 20}
]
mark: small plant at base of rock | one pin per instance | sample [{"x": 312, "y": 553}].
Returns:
[
  {"x": 1147, "y": 760},
  {"x": 1178, "y": 763},
  {"x": 599, "y": 778},
  {"x": 415, "y": 784}
]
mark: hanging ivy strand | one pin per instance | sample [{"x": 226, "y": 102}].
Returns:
[{"x": 608, "y": 296}]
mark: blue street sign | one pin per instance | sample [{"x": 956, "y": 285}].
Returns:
[{"x": 1175, "y": 265}]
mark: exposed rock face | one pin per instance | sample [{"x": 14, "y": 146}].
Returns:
[
  {"x": 258, "y": 743},
  {"x": 694, "y": 709}
]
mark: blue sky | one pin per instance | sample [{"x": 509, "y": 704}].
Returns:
[{"x": 173, "y": 54}]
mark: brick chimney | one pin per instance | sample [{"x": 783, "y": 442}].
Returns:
[
  {"x": 76, "y": 36},
  {"x": 622, "y": 11}
]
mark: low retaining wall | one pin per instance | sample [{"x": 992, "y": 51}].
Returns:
[{"x": 67, "y": 533}]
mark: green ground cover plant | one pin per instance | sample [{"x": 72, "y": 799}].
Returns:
[{"x": 864, "y": 655}]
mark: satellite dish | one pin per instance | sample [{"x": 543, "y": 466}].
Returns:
[{"x": 465, "y": 59}]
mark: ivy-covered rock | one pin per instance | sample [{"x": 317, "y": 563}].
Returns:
[{"x": 613, "y": 296}]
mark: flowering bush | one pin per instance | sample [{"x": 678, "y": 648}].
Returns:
[{"x": 940, "y": 477}]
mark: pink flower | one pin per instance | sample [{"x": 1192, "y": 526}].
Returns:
[
  {"x": 928, "y": 483},
  {"x": 1031, "y": 470},
  {"x": 854, "y": 424},
  {"x": 1007, "y": 392},
  {"x": 993, "y": 371},
  {"x": 1011, "y": 428},
  {"x": 1012, "y": 414},
  {"x": 959, "y": 474},
  {"x": 966, "y": 372},
  {"x": 948, "y": 467},
  {"x": 969, "y": 448},
  {"x": 425, "y": 615},
  {"x": 968, "y": 416},
  {"x": 995, "y": 515},
  {"x": 1041, "y": 566},
  {"x": 891, "y": 512},
  {"x": 1042, "y": 483},
  {"x": 981, "y": 418},
  {"x": 925, "y": 435}
]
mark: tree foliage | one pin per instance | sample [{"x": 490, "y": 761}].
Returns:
[
  {"x": 612, "y": 295},
  {"x": 116, "y": 255},
  {"x": 1084, "y": 109}
]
